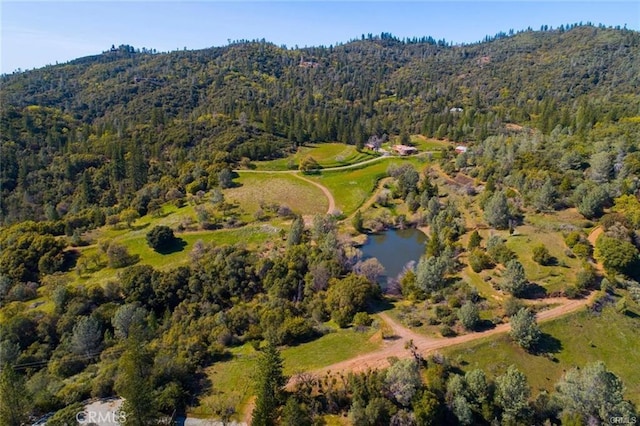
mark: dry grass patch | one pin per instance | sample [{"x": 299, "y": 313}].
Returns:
[{"x": 280, "y": 189}]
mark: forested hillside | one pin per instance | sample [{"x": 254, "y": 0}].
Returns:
[
  {"x": 105, "y": 130},
  {"x": 184, "y": 230}
]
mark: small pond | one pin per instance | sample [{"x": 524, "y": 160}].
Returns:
[{"x": 394, "y": 249}]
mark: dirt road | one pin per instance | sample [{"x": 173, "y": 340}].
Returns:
[
  {"x": 332, "y": 202},
  {"x": 396, "y": 347}
]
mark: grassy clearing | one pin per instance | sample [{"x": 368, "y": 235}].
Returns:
[
  {"x": 231, "y": 383},
  {"x": 558, "y": 221},
  {"x": 232, "y": 380},
  {"x": 579, "y": 339},
  {"x": 281, "y": 189},
  {"x": 326, "y": 154},
  {"x": 352, "y": 187},
  {"x": 553, "y": 278},
  {"x": 429, "y": 144},
  {"x": 252, "y": 236},
  {"x": 485, "y": 289},
  {"x": 329, "y": 349}
]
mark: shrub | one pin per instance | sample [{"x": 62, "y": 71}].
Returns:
[
  {"x": 469, "y": 315},
  {"x": 511, "y": 306},
  {"x": 362, "y": 319},
  {"x": 572, "y": 238},
  {"x": 479, "y": 260},
  {"x": 447, "y": 331},
  {"x": 541, "y": 255},
  {"x": 498, "y": 250},
  {"x": 583, "y": 250},
  {"x": 586, "y": 279},
  {"x": 572, "y": 292}
]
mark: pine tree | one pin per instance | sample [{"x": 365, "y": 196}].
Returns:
[
  {"x": 512, "y": 394},
  {"x": 14, "y": 399},
  {"x": 269, "y": 387},
  {"x": 474, "y": 240},
  {"x": 134, "y": 382},
  {"x": 514, "y": 279}
]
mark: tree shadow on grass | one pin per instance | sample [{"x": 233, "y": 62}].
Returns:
[
  {"x": 547, "y": 346},
  {"x": 534, "y": 291},
  {"x": 178, "y": 245},
  {"x": 484, "y": 325}
]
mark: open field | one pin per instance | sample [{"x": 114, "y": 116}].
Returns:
[
  {"x": 353, "y": 187},
  {"x": 429, "y": 144},
  {"x": 326, "y": 154},
  {"x": 555, "y": 277},
  {"x": 232, "y": 380},
  {"x": 280, "y": 189},
  {"x": 573, "y": 341},
  {"x": 328, "y": 349},
  {"x": 136, "y": 243}
]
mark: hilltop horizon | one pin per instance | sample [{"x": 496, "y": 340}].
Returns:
[{"x": 37, "y": 37}]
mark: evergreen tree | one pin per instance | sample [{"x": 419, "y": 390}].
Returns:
[
  {"x": 134, "y": 382},
  {"x": 294, "y": 413},
  {"x": 358, "y": 222},
  {"x": 474, "y": 240},
  {"x": 86, "y": 337},
  {"x": 269, "y": 387},
  {"x": 546, "y": 196},
  {"x": 430, "y": 273},
  {"x": 137, "y": 166},
  {"x": 593, "y": 394},
  {"x": 14, "y": 398},
  {"x": 161, "y": 238},
  {"x": 469, "y": 315}
]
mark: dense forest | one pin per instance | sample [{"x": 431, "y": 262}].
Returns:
[
  {"x": 121, "y": 128},
  {"x": 552, "y": 122}
]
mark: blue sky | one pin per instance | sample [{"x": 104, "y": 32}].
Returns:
[{"x": 35, "y": 34}]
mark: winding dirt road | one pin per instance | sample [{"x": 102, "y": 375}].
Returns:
[
  {"x": 332, "y": 201},
  {"x": 397, "y": 346}
]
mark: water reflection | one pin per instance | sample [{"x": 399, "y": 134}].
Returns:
[{"x": 395, "y": 249}]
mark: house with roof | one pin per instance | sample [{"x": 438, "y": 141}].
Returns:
[{"x": 405, "y": 149}]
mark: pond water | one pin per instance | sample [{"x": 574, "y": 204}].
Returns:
[{"x": 395, "y": 249}]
